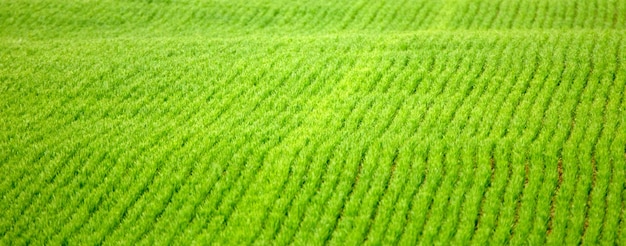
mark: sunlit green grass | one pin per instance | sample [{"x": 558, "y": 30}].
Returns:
[{"x": 312, "y": 122}]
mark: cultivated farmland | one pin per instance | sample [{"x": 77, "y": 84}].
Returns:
[{"x": 312, "y": 122}]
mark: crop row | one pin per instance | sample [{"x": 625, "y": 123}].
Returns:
[
  {"x": 43, "y": 19},
  {"x": 437, "y": 138}
]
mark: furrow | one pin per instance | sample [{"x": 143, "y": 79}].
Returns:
[
  {"x": 379, "y": 185},
  {"x": 331, "y": 177},
  {"x": 257, "y": 176},
  {"x": 519, "y": 163},
  {"x": 392, "y": 17},
  {"x": 277, "y": 162},
  {"x": 508, "y": 100},
  {"x": 557, "y": 175},
  {"x": 489, "y": 70},
  {"x": 435, "y": 156},
  {"x": 140, "y": 206},
  {"x": 235, "y": 172},
  {"x": 361, "y": 180},
  {"x": 615, "y": 96},
  {"x": 573, "y": 168},
  {"x": 459, "y": 124},
  {"x": 390, "y": 139},
  {"x": 320, "y": 168},
  {"x": 451, "y": 130},
  {"x": 532, "y": 171},
  {"x": 415, "y": 158},
  {"x": 351, "y": 16},
  {"x": 586, "y": 147}
]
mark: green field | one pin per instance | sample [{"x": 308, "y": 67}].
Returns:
[{"x": 312, "y": 122}]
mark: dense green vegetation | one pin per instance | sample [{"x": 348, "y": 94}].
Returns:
[{"x": 311, "y": 122}]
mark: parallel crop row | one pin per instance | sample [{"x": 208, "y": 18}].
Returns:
[
  {"x": 78, "y": 19},
  {"x": 260, "y": 122},
  {"x": 446, "y": 139}
]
